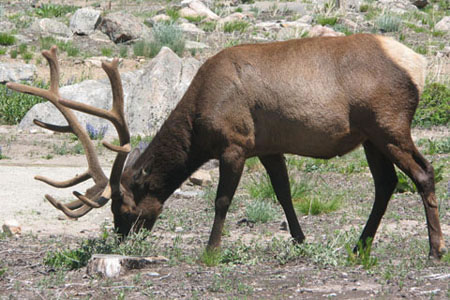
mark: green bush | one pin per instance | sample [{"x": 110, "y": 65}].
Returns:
[
  {"x": 7, "y": 39},
  {"x": 388, "y": 23},
  {"x": 168, "y": 35},
  {"x": 13, "y": 53},
  {"x": 434, "y": 106},
  {"x": 14, "y": 105}
]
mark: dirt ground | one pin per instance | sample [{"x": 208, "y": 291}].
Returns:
[{"x": 256, "y": 269}]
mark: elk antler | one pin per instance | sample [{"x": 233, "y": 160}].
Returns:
[{"x": 99, "y": 194}]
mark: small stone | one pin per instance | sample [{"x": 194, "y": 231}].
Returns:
[
  {"x": 152, "y": 274},
  {"x": 11, "y": 227},
  {"x": 178, "y": 229},
  {"x": 201, "y": 177}
]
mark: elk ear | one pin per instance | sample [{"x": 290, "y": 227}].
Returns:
[{"x": 132, "y": 157}]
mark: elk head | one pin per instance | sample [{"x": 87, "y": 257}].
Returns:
[{"x": 131, "y": 206}]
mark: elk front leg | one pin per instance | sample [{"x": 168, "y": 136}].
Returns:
[
  {"x": 230, "y": 169},
  {"x": 385, "y": 179},
  {"x": 276, "y": 168}
]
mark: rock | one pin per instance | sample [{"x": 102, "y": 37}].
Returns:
[
  {"x": 84, "y": 21},
  {"x": 320, "y": 30},
  {"x": 123, "y": 27},
  {"x": 201, "y": 177},
  {"x": 191, "y": 29},
  {"x": 195, "y": 45},
  {"x": 348, "y": 23},
  {"x": 268, "y": 26},
  {"x": 96, "y": 61},
  {"x": 185, "y": 194},
  {"x": 99, "y": 36},
  {"x": 107, "y": 265},
  {"x": 6, "y": 26},
  {"x": 158, "y": 18},
  {"x": 178, "y": 229},
  {"x": 17, "y": 72},
  {"x": 11, "y": 227},
  {"x": 443, "y": 24},
  {"x": 150, "y": 94},
  {"x": 237, "y": 16},
  {"x": 50, "y": 27},
  {"x": 196, "y": 8}
]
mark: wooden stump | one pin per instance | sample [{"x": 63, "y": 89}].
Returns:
[{"x": 110, "y": 265}]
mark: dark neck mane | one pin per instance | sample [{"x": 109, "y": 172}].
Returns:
[{"x": 169, "y": 159}]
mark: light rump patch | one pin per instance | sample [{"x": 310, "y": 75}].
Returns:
[{"x": 414, "y": 64}]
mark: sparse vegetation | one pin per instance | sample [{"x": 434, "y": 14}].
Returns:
[
  {"x": 388, "y": 23},
  {"x": 14, "y": 105},
  {"x": 7, "y": 39},
  {"x": 434, "y": 106},
  {"x": 236, "y": 26},
  {"x": 54, "y": 10}
]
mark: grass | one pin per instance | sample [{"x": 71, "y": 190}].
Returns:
[
  {"x": 324, "y": 20},
  {"x": 388, "y": 23},
  {"x": 14, "y": 105},
  {"x": 431, "y": 147},
  {"x": 168, "y": 35},
  {"x": 107, "y": 243},
  {"x": 107, "y": 51},
  {"x": 260, "y": 211},
  {"x": 54, "y": 10},
  {"x": 7, "y": 39},
  {"x": 434, "y": 106},
  {"x": 236, "y": 26},
  {"x": 362, "y": 257},
  {"x": 47, "y": 42},
  {"x": 317, "y": 204}
]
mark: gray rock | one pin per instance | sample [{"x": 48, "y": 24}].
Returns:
[
  {"x": 84, "y": 21},
  {"x": 123, "y": 27},
  {"x": 190, "y": 28},
  {"x": 201, "y": 177},
  {"x": 444, "y": 24},
  {"x": 50, "y": 27},
  {"x": 150, "y": 94},
  {"x": 16, "y": 72},
  {"x": 196, "y": 8}
]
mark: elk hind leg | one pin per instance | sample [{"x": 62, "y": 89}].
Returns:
[
  {"x": 406, "y": 156},
  {"x": 276, "y": 168}
]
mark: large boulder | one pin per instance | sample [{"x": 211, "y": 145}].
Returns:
[
  {"x": 150, "y": 94},
  {"x": 84, "y": 21},
  {"x": 443, "y": 25},
  {"x": 50, "y": 27},
  {"x": 123, "y": 27},
  {"x": 196, "y": 8},
  {"x": 17, "y": 72}
]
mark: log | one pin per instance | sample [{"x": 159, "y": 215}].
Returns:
[{"x": 110, "y": 265}]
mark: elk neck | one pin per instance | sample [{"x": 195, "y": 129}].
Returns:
[{"x": 172, "y": 156}]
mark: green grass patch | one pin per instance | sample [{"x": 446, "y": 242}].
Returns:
[
  {"x": 324, "y": 20},
  {"x": 14, "y": 105},
  {"x": 210, "y": 257},
  {"x": 47, "y": 42},
  {"x": 434, "y": 106},
  {"x": 236, "y": 26},
  {"x": 362, "y": 257},
  {"x": 107, "y": 243},
  {"x": 54, "y": 10},
  {"x": 317, "y": 204},
  {"x": 431, "y": 147},
  {"x": 106, "y": 51},
  {"x": 7, "y": 39}
]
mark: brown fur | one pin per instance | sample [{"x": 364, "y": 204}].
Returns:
[{"x": 317, "y": 97}]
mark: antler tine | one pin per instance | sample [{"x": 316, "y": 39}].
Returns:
[
  {"x": 116, "y": 116},
  {"x": 78, "y": 207}
]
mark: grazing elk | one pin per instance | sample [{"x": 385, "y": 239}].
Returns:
[{"x": 316, "y": 97}]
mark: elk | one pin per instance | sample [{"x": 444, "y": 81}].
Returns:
[{"x": 315, "y": 97}]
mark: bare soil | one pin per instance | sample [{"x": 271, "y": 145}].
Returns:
[{"x": 256, "y": 271}]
